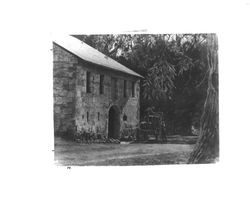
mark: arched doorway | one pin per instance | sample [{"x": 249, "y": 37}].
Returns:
[{"x": 114, "y": 123}]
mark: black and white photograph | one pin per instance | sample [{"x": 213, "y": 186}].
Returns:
[
  {"x": 136, "y": 99},
  {"x": 125, "y": 99}
]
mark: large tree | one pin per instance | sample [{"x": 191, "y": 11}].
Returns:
[{"x": 207, "y": 147}]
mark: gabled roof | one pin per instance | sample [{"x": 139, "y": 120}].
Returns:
[{"x": 88, "y": 53}]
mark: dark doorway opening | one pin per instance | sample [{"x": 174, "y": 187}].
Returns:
[{"x": 114, "y": 123}]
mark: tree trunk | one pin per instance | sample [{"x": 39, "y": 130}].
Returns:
[{"x": 207, "y": 146}]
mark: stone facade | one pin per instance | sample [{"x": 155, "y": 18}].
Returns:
[{"x": 79, "y": 109}]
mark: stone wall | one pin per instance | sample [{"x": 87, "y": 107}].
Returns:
[
  {"x": 97, "y": 105},
  {"x": 74, "y": 108},
  {"x": 64, "y": 89}
]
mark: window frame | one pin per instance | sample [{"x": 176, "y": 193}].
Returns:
[
  {"x": 88, "y": 82},
  {"x": 114, "y": 89},
  {"x": 87, "y": 116},
  {"x": 125, "y": 88},
  {"x": 133, "y": 88},
  {"x": 101, "y": 84}
]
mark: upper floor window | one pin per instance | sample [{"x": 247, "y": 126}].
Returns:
[
  {"x": 114, "y": 88},
  {"x": 133, "y": 89},
  {"x": 87, "y": 116},
  {"x": 124, "y": 88},
  {"x": 101, "y": 86},
  {"x": 88, "y": 83}
]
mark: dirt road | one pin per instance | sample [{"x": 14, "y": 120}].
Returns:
[{"x": 71, "y": 153}]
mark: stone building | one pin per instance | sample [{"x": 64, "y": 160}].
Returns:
[{"x": 92, "y": 92}]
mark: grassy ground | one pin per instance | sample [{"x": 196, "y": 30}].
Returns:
[{"x": 71, "y": 153}]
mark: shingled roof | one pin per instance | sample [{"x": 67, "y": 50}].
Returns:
[{"x": 88, "y": 53}]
